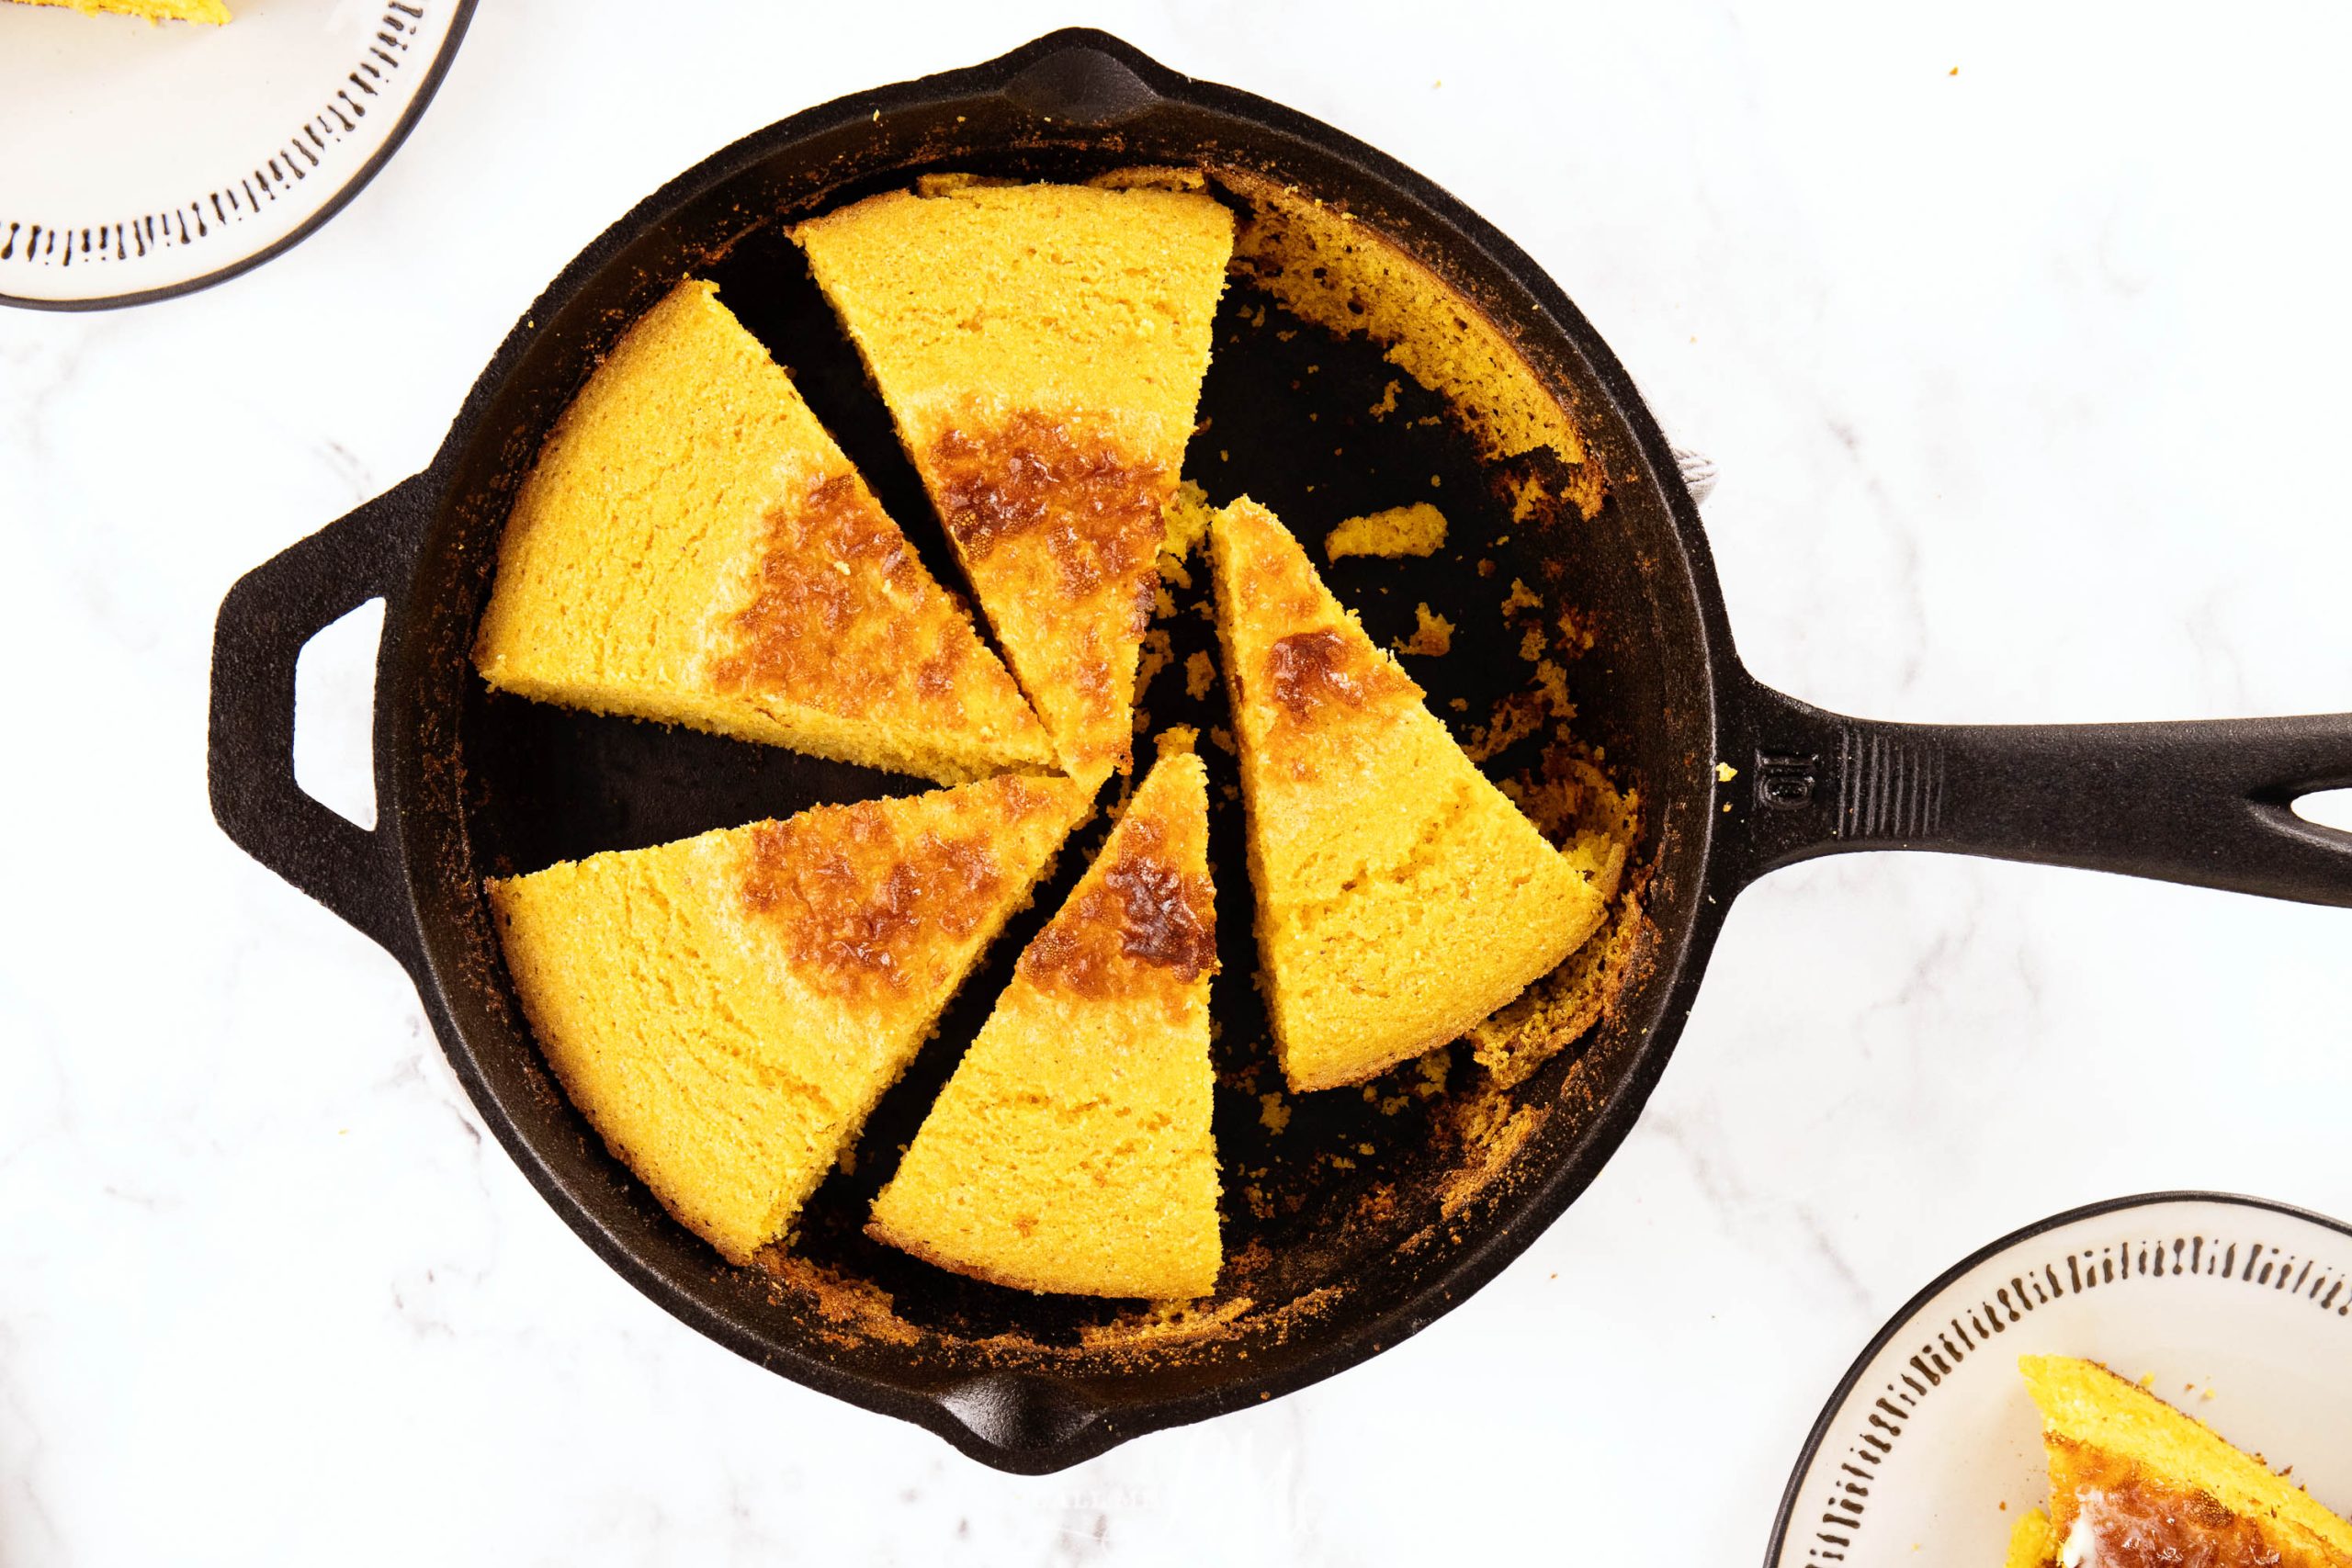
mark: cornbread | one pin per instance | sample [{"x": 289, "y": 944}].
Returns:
[
  {"x": 1415, "y": 530},
  {"x": 2133, "y": 1481},
  {"x": 1401, "y": 896},
  {"x": 1071, "y": 1151},
  {"x": 726, "y": 1008},
  {"x": 1041, "y": 348},
  {"x": 211, "y": 11},
  {"x": 2033, "y": 1544},
  {"x": 692, "y": 547}
]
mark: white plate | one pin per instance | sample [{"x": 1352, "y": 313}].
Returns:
[
  {"x": 138, "y": 160},
  {"x": 1930, "y": 1447}
]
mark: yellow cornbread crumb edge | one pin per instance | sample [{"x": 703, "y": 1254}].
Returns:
[
  {"x": 1415, "y": 530},
  {"x": 211, "y": 12}
]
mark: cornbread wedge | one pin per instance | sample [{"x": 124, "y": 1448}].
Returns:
[
  {"x": 2133, "y": 1481},
  {"x": 211, "y": 11},
  {"x": 692, "y": 547},
  {"x": 1042, "y": 349},
  {"x": 1401, "y": 896},
  {"x": 725, "y": 1010},
  {"x": 1071, "y": 1151}
]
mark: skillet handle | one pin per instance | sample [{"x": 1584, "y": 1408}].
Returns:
[
  {"x": 263, "y": 624},
  {"x": 2209, "y": 803}
]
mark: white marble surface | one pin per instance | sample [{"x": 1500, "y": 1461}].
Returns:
[{"x": 2028, "y": 389}]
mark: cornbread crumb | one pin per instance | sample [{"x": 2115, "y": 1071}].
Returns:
[
  {"x": 1432, "y": 635},
  {"x": 1415, "y": 530},
  {"x": 1520, "y": 597},
  {"x": 1200, "y": 675},
  {"x": 1272, "y": 1112},
  {"x": 1184, "y": 522},
  {"x": 1157, "y": 652}
]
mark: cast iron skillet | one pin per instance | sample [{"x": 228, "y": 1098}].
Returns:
[{"x": 1365, "y": 1216}]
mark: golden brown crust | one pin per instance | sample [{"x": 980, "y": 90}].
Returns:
[
  {"x": 2138, "y": 1522},
  {"x": 858, "y": 911},
  {"x": 1310, "y": 673},
  {"x": 1146, "y": 908},
  {"x": 842, "y": 635},
  {"x": 1098, "y": 509},
  {"x": 1060, "y": 527}
]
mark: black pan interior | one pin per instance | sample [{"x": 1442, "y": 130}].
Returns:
[{"x": 1342, "y": 1209}]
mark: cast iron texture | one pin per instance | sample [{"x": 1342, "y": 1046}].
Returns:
[{"x": 1342, "y": 1262}]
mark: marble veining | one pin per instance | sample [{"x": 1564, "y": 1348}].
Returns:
[{"x": 2021, "y": 383}]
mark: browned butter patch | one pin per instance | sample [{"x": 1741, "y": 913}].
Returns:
[
  {"x": 1308, "y": 672},
  {"x": 825, "y": 623},
  {"x": 860, "y": 910},
  {"x": 2138, "y": 1522},
  {"x": 1095, "y": 508},
  {"x": 1143, "y": 910}
]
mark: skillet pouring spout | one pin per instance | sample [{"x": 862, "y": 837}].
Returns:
[{"x": 2208, "y": 803}]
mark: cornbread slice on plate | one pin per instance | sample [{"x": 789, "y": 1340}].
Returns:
[
  {"x": 725, "y": 1010},
  {"x": 1071, "y": 1151},
  {"x": 692, "y": 547},
  {"x": 1401, "y": 896},
  {"x": 211, "y": 11},
  {"x": 1042, "y": 349},
  {"x": 2133, "y": 1481}
]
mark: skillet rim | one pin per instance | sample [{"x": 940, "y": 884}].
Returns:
[{"x": 1017, "y": 1421}]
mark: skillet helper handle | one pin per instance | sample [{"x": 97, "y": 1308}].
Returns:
[
  {"x": 263, "y": 624},
  {"x": 2209, "y": 803}
]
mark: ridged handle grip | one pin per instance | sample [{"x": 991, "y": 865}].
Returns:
[{"x": 2208, "y": 803}]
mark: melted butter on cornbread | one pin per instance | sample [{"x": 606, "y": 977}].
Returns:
[
  {"x": 1401, "y": 896},
  {"x": 1041, "y": 348},
  {"x": 1072, "y": 1149},
  {"x": 692, "y": 548},
  {"x": 2134, "y": 1481},
  {"x": 725, "y": 1010}
]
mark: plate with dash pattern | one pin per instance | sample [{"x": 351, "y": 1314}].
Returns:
[
  {"x": 2238, "y": 1310},
  {"x": 147, "y": 161}
]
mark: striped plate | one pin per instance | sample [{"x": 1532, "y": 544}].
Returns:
[
  {"x": 2240, "y": 1311},
  {"x": 149, "y": 161}
]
